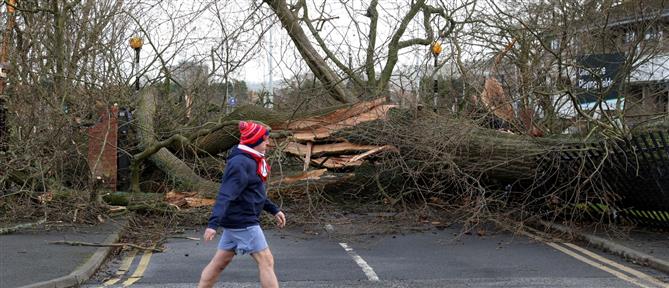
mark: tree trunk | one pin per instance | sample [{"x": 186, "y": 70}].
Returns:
[
  {"x": 223, "y": 139},
  {"x": 179, "y": 173},
  {"x": 59, "y": 50},
  {"x": 219, "y": 140},
  {"x": 438, "y": 148}
]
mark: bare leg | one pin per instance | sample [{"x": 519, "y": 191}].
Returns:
[
  {"x": 217, "y": 264},
  {"x": 265, "y": 262}
]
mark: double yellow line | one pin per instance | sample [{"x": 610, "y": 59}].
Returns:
[
  {"x": 618, "y": 270},
  {"x": 125, "y": 267}
]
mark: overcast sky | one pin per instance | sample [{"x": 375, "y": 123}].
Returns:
[{"x": 188, "y": 30}]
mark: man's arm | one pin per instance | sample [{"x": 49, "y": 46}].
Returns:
[{"x": 271, "y": 208}]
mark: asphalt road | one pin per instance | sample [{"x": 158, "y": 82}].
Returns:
[
  {"x": 24, "y": 249},
  {"x": 423, "y": 259}
]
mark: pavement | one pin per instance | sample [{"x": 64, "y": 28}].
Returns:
[
  {"x": 28, "y": 260},
  {"x": 642, "y": 246}
]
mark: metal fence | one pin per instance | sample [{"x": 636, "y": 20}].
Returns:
[{"x": 635, "y": 169}]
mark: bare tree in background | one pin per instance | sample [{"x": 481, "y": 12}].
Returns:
[
  {"x": 325, "y": 46},
  {"x": 65, "y": 61},
  {"x": 241, "y": 35},
  {"x": 545, "y": 46},
  {"x": 58, "y": 85}
]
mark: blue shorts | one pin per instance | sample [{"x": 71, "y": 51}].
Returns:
[{"x": 242, "y": 241}]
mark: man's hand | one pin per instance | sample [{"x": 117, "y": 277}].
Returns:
[
  {"x": 209, "y": 234},
  {"x": 280, "y": 219}
]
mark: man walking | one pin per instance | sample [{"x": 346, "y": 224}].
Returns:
[{"x": 240, "y": 200}]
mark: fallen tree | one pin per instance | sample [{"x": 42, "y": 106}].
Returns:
[
  {"x": 372, "y": 149},
  {"x": 352, "y": 134}
]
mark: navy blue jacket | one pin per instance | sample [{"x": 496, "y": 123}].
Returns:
[{"x": 242, "y": 195}]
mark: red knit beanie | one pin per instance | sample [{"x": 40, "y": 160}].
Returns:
[{"x": 252, "y": 133}]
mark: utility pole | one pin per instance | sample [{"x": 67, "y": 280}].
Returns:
[{"x": 11, "y": 18}]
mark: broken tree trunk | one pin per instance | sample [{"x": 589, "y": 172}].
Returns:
[
  {"x": 304, "y": 124},
  {"x": 223, "y": 139},
  {"x": 437, "y": 148},
  {"x": 312, "y": 138}
]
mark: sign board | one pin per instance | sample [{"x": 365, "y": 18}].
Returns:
[
  {"x": 232, "y": 101},
  {"x": 597, "y": 77}
]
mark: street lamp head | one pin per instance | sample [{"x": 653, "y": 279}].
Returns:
[
  {"x": 136, "y": 43},
  {"x": 436, "y": 48},
  {"x": 11, "y": 6}
]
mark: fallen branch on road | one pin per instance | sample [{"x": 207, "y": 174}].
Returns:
[
  {"x": 18, "y": 227},
  {"x": 78, "y": 243},
  {"x": 185, "y": 237}
]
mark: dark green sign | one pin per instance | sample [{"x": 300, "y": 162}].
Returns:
[{"x": 597, "y": 77}]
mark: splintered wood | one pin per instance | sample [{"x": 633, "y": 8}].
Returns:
[
  {"x": 310, "y": 175},
  {"x": 187, "y": 199},
  {"x": 312, "y": 138},
  {"x": 302, "y": 150},
  {"x": 324, "y": 130},
  {"x": 342, "y": 161},
  {"x": 496, "y": 101}
]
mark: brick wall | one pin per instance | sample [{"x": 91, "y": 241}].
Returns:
[{"x": 102, "y": 143}]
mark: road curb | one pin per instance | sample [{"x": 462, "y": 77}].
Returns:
[
  {"x": 615, "y": 248},
  {"x": 84, "y": 272}
]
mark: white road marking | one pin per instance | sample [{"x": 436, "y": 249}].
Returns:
[{"x": 369, "y": 272}]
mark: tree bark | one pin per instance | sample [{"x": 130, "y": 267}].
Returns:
[
  {"x": 224, "y": 138},
  {"x": 59, "y": 50},
  {"x": 220, "y": 140},
  {"x": 371, "y": 47}
]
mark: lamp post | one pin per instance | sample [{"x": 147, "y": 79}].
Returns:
[
  {"x": 436, "y": 49},
  {"x": 136, "y": 44}
]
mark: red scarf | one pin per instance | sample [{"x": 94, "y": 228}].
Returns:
[{"x": 263, "y": 168}]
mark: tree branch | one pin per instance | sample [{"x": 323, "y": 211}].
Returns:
[
  {"x": 393, "y": 46},
  {"x": 314, "y": 32},
  {"x": 316, "y": 63},
  {"x": 373, "y": 14}
]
